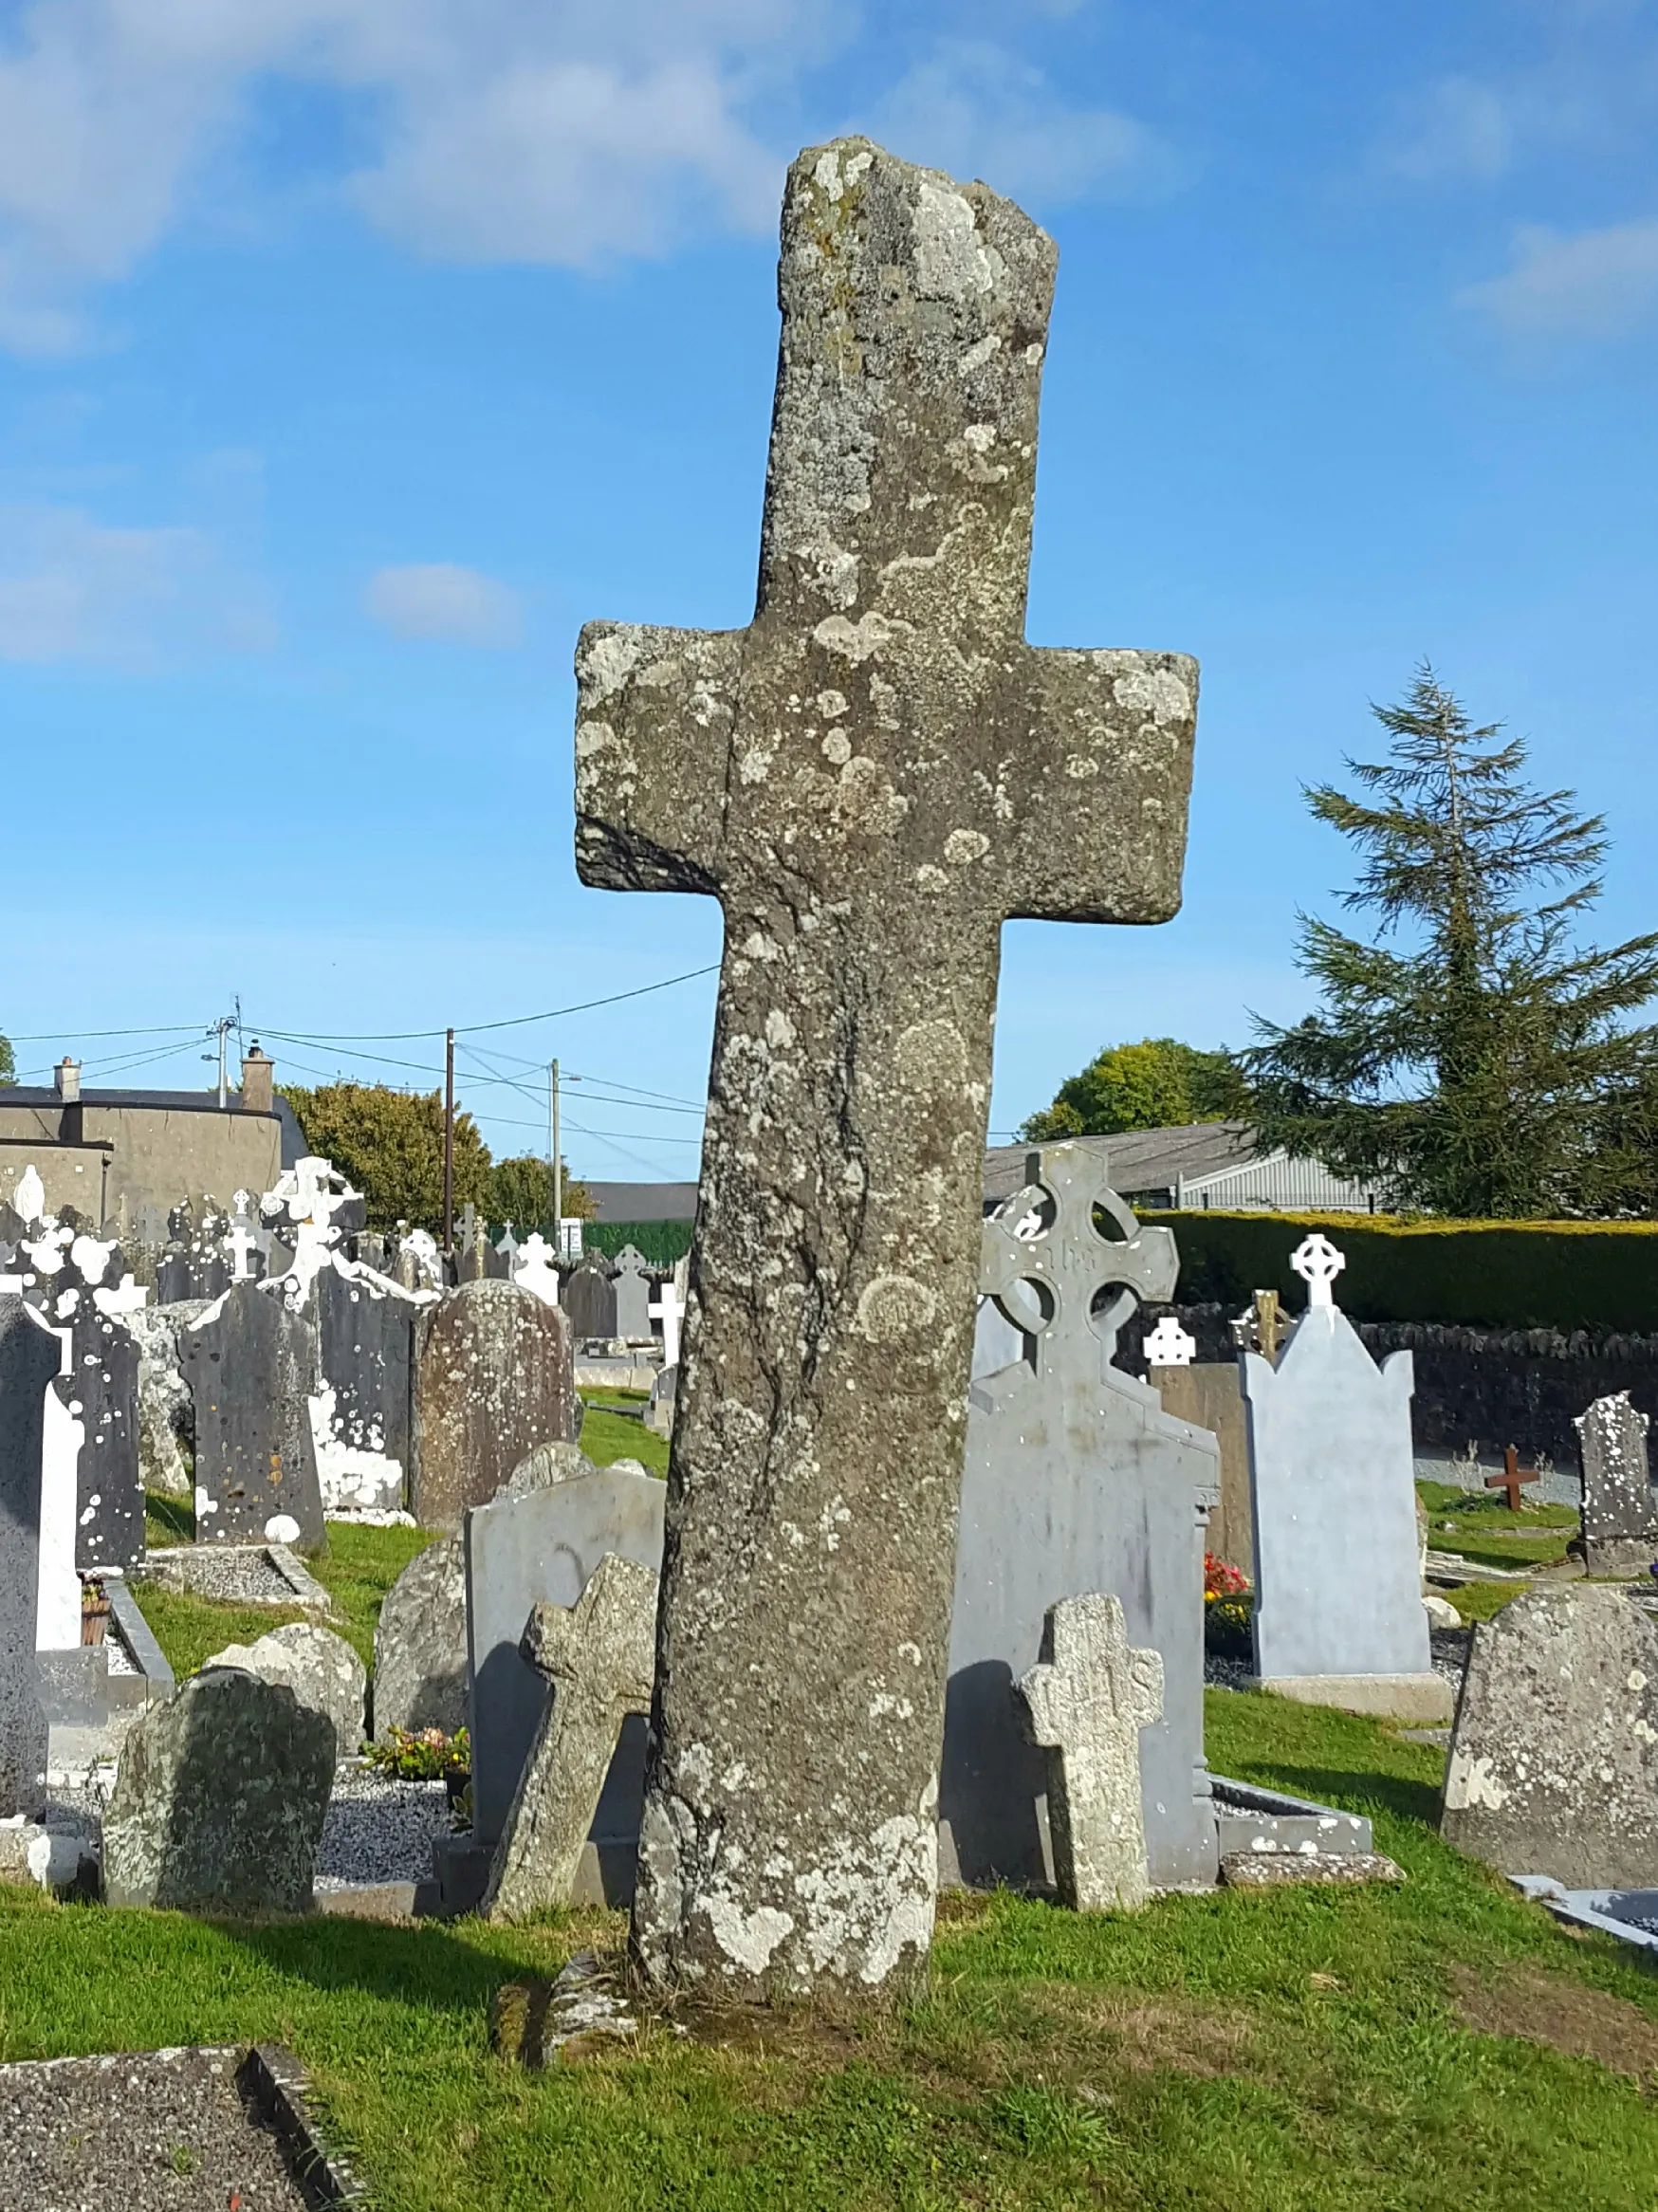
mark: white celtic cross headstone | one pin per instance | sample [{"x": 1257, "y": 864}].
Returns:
[
  {"x": 1088, "y": 1699},
  {"x": 1318, "y": 1263},
  {"x": 535, "y": 1270}
]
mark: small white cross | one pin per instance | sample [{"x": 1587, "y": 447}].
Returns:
[
  {"x": 669, "y": 1308},
  {"x": 1170, "y": 1345},
  {"x": 1319, "y": 1263},
  {"x": 242, "y": 1242}
]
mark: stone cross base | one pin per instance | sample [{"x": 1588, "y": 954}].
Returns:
[
  {"x": 1618, "y": 1554},
  {"x": 1395, "y": 1697}
]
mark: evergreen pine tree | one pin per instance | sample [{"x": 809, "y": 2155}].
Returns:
[{"x": 1474, "y": 1060}]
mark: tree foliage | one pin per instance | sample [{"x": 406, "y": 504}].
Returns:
[
  {"x": 521, "y": 1191},
  {"x": 1158, "y": 1083},
  {"x": 1473, "y": 1059},
  {"x": 8, "y": 1063},
  {"x": 391, "y": 1145}
]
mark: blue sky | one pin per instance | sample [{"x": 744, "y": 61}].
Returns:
[{"x": 354, "y": 352}]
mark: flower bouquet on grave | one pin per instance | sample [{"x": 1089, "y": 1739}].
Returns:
[
  {"x": 94, "y": 1613},
  {"x": 1229, "y": 1608},
  {"x": 424, "y": 1755}
]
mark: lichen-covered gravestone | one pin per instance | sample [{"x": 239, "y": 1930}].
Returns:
[
  {"x": 1338, "y": 1617},
  {"x": 30, "y": 1357},
  {"x": 871, "y": 778},
  {"x": 100, "y": 1387},
  {"x": 1553, "y": 1756},
  {"x": 251, "y": 1366},
  {"x": 219, "y": 1799},
  {"x": 1086, "y": 1702},
  {"x": 420, "y": 1644},
  {"x": 1620, "y": 1513},
  {"x": 321, "y": 1668},
  {"x": 1075, "y": 1478},
  {"x": 495, "y": 1376}
]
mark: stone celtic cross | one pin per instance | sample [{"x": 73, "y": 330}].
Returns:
[
  {"x": 1087, "y": 1700},
  {"x": 1317, "y": 1260},
  {"x": 1044, "y": 1238},
  {"x": 871, "y": 778}
]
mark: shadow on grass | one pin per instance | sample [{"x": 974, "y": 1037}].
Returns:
[
  {"x": 420, "y": 1966},
  {"x": 1397, "y": 1794},
  {"x": 177, "y": 1516}
]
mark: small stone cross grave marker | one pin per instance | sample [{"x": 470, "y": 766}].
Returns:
[
  {"x": 535, "y": 1271},
  {"x": 1087, "y": 1699},
  {"x": 1512, "y": 1478},
  {"x": 1317, "y": 1260},
  {"x": 1170, "y": 1345},
  {"x": 668, "y": 1307},
  {"x": 871, "y": 778},
  {"x": 599, "y": 1657}
]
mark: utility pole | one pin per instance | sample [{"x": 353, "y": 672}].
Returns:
[
  {"x": 558, "y": 1165},
  {"x": 222, "y": 1028},
  {"x": 449, "y": 1144}
]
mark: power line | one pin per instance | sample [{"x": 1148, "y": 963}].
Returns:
[{"x": 480, "y": 1028}]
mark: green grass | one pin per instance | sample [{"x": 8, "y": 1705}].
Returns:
[
  {"x": 1294, "y": 2052},
  {"x": 360, "y": 1567},
  {"x": 607, "y": 1436},
  {"x": 1483, "y": 1529}
]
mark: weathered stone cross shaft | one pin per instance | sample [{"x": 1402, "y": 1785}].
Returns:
[{"x": 870, "y": 779}]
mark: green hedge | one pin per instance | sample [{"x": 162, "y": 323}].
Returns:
[
  {"x": 1479, "y": 1274},
  {"x": 661, "y": 1242}
]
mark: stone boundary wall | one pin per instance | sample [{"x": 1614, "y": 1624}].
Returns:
[{"x": 1489, "y": 1387}]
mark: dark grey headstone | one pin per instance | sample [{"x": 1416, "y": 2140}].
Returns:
[
  {"x": 366, "y": 1341},
  {"x": 1620, "y": 1513},
  {"x": 101, "y": 1389},
  {"x": 631, "y": 1290},
  {"x": 29, "y": 1360},
  {"x": 251, "y": 1370},
  {"x": 1075, "y": 1482},
  {"x": 589, "y": 1300}
]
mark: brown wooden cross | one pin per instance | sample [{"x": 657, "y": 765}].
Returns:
[
  {"x": 871, "y": 778},
  {"x": 1512, "y": 1477}
]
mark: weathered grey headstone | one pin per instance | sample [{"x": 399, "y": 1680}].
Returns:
[
  {"x": 495, "y": 1376},
  {"x": 1075, "y": 1477},
  {"x": 1620, "y": 1509},
  {"x": 1553, "y": 1755},
  {"x": 219, "y": 1799},
  {"x": 29, "y": 1360},
  {"x": 597, "y": 1659},
  {"x": 251, "y": 1366},
  {"x": 101, "y": 1391},
  {"x": 871, "y": 778},
  {"x": 420, "y": 1644},
  {"x": 321, "y": 1669},
  {"x": 1338, "y": 1617},
  {"x": 633, "y": 1295},
  {"x": 659, "y": 1410},
  {"x": 590, "y": 1300},
  {"x": 543, "y": 1547},
  {"x": 366, "y": 1340},
  {"x": 1086, "y": 1702}
]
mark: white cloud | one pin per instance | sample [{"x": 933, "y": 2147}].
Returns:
[
  {"x": 440, "y": 599},
  {"x": 1456, "y": 128},
  {"x": 73, "y": 588},
  {"x": 1597, "y": 285},
  {"x": 978, "y": 111},
  {"x": 540, "y": 130}
]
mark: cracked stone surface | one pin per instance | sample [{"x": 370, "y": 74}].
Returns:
[
  {"x": 1553, "y": 1755},
  {"x": 871, "y": 778}
]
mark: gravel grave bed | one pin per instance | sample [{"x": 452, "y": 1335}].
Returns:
[
  {"x": 379, "y": 1829},
  {"x": 1450, "y": 1658},
  {"x": 237, "y": 1575},
  {"x": 146, "y": 2131}
]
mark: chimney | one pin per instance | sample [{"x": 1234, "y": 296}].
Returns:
[
  {"x": 258, "y": 1079},
  {"x": 68, "y": 1074}
]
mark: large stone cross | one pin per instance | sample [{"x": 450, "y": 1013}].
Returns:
[
  {"x": 871, "y": 778},
  {"x": 1087, "y": 1700},
  {"x": 1046, "y": 1262}
]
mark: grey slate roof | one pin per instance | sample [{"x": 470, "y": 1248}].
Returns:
[{"x": 1138, "y": 1160}]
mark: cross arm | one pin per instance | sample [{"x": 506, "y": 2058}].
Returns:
[
  {"x": 654, "y": 712},
  {"x": 1094, "y": 783}
]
